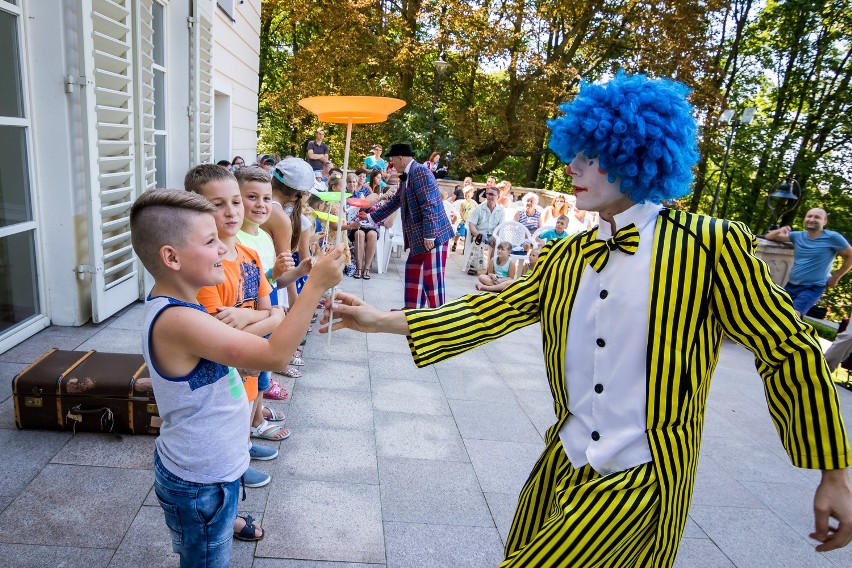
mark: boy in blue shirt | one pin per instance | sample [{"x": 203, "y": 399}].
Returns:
[
  {"x": 201, "y": 451},
  {"x": 558, "y": 233},
  {"x": 815, "y": 249}
]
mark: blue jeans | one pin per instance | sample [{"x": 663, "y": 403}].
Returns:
[
  {"x": 804, "y": 297},
  {"x": 200, "y": 517}
]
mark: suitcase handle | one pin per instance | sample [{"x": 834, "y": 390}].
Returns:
[{"x": 107, "y": 417}]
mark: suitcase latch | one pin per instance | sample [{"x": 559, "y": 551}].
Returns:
[
  {"x": 151, "y": 409},
  {"x": 37, "y": 391},
  {"x": 33, "y": 402}
]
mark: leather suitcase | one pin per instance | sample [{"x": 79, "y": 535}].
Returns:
[{"x": 86, "y": 392}]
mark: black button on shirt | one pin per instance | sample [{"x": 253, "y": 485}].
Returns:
[
  {"x": 599, "y": 388},
  {"x": 600, "y": 342},
  {"x": 604, "y": 294},
  {"x": 596, "y": 436}
]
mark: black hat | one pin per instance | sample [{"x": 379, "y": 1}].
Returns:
[{"x": 402, "y": 150}]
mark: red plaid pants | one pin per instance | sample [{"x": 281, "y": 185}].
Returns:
[{"x": 424, "y": 278}]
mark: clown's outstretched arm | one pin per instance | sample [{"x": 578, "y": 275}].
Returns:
[{"x": 354, "y": 313}]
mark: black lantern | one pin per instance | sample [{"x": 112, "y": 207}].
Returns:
[{"x": 785, "y": 194}]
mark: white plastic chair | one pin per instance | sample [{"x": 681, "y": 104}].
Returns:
[
  {"x": 390, "y": 239},
  {"x": 513, "y": 232}
]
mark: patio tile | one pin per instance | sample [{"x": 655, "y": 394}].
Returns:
[
  {"x": 502, "y": 507},
  {"x": 147, "y": 542},
  {"x": 7, "y": 374},
  {"x": 409, "y": 396},
  {"x": 330, "y": 374},
  {"x": 700, "y": 553},
  {"x": 524, "y": 377},
  {"x": 313, "y": 520},
  {"x": 136, "y": 452},
  {"x": 64, "y": 502},
  {"x": 280, "y": 563},
  {"x": 67, "y": 338},
  {"x": 388, "y": 343},
  {"x": 735, "y": 530},
  {"x": 502, "y": 467},
  {"x": 7, "y": 414},
  {"x": 439, "y": 546},
  {"x": 539, "y": 408},
  {"x": 132, "y": 318},
  {"x": 474, "y": 384},
  {"x": 346, "y": 345},
  {"x": 328, "y": 408},
  {"x": 746, "y": 460},
  {"x": 38, "y": 556},
  {"x": 692, "y": 530},
  {"x": 504, "y": 421},
  {"x": 324, "y": 454},
  {"x": 400, "y": 435},
  {"x": 23, "y": 453},
  {"x": 399, "y": 366},
  {"x": 114, "y": 341},
  {"x": 715, "y": 486},
  {"x": 432, "y": 492}
]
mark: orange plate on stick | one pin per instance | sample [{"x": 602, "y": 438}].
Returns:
[
  {"x": 359, "y": 202},
  {"x": 360, "y": 110}
]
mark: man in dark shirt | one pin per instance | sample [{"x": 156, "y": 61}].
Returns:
[{"x": 317, "y": 151}]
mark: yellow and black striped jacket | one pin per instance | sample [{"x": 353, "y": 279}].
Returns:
[{"x": 705, "y": 282}]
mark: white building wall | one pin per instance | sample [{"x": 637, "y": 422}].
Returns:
[
  {"x": 236, "y": 63},
  {"x": 58, "y": 183},
  {"x": 60, "y": 194}
]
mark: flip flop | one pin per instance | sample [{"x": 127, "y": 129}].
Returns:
[
  {"x": 276, "y": 392},
  {"x": 249, "y": 531},
  {"x": 292, "y": 373},
  {"x": 274, "y": 415},
  {"x": 267, "y": 431},
  {"x": 365, "y": 275}
]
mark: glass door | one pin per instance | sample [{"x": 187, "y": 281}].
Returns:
[{"x": 20, "y": 301}]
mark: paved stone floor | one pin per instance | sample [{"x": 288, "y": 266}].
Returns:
[{"x": 388, "y": 465}]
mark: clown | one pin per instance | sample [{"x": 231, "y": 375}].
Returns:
[{"x": 632, "y": 314}]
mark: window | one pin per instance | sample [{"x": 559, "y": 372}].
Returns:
[
  {"x": 227, "y": 6},
  {"x": 20, "y": 304}
]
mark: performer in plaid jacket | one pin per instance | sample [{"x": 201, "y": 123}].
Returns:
[{"x": 425, "y": 228}]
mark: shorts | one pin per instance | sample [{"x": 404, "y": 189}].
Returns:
[
  {"x": 264, "y": 381},
  {"x": 804, "y": 297}
]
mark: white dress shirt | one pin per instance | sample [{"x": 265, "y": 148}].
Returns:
[{"x": 605, "y": 371}]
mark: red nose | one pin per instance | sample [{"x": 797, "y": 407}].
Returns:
[{"x": 568, "y": 170}]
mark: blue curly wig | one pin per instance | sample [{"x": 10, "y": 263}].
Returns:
[{"x": 640, "y": 129}]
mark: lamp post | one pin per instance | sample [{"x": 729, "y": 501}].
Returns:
[
  {"x": 783, "y": 198},
  {"x": 441, "y": 67},
  {"x": 729, "y": 118}
]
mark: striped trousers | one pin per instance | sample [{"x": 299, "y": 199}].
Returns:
[
  {"x": 424, "y": 278},
  {"x": 578, "y": 518}
]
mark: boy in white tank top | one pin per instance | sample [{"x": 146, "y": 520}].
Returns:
[{"x": 201, "y": 452}]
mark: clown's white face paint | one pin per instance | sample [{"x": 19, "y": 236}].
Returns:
[{"x": 594, "y": 191}]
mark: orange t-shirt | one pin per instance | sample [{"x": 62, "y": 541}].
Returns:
[{"x": 245, "y": 283}]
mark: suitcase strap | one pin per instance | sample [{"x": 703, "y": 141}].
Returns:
[{"x": 107, "y": 417}]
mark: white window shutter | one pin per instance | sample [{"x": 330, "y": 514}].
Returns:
[
  {"x": 201, "y": 83},
  {"x": 146, "y": 168},
  {"x": 110, "y": 130}
]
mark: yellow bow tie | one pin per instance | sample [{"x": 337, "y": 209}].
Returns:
[{"x": 597, "y": 252}]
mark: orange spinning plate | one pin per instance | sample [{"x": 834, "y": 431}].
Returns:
[{"x": 361, "y": 110}]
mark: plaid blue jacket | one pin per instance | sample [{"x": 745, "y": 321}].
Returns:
[{"x": 422, "y": 209}]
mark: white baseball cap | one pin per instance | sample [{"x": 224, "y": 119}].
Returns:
[{"x": 295, "y": 173}]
